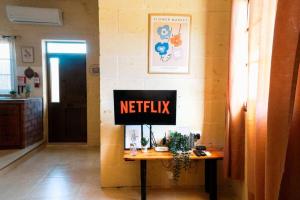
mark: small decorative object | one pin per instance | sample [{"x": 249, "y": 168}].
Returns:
[
  {"x": 29, "y": 73},
  {"x": 21, "y": 80},
  {"x": 169, "y": 38},
  {"x": 161, "y": 148},
  {"x": 27, "y": 54},
  {"x": 144, "y": 142},
  {"x": 197, "y": 137},
  {"x": 128, "y": 131},
  {"x": 36, "y": 80},
  {"x": 27, "y": 90},
  {"x": 164, "y": 140},
  {"x": 133, "y": 150},
  {"x": 162, "y": 145},
  {"x": 21, "y": 84},
  {"x": 179, "y": 146},
  {"x": 140, "y": 131},
  {"x": 94, "y": 69},
  {"x": 13, "y": 94}
]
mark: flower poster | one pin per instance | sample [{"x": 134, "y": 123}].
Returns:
[{"x": 169, "y": 38}]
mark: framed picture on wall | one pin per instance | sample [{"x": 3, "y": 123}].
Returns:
[
  {"x": 27, "y": 54},
  {"x": 134, "y": 134},
  {"x": 169, "y": 43}
]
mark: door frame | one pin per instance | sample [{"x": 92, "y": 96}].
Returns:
[{"x": 45, "y": 85}]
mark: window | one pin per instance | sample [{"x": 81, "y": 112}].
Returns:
[
  {"x": 66, "y": 47},
  {"x": 54, "y": 79},
  {"x": 7, "y": 63}
]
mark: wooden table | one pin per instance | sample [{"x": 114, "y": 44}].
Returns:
[{"x": 210, "y": 167}]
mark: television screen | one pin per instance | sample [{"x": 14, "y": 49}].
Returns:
[{"x": 137, "y": 107}]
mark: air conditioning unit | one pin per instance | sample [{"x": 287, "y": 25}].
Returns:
[{"x": 32, "y": 15}]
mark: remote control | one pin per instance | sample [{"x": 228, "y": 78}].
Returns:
[{"x": 199, "y": 153}]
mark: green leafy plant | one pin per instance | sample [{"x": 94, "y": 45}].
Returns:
[
  {"x": 13, "y": 92},
  {"x": 144, "y": 141},
  {"x": 179, "y": 146}
]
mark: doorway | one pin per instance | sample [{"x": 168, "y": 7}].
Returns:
[{"x": 67, "y": 93}]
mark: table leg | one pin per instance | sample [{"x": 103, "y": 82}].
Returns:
[
  {"x": 211, "y": 178},
  {"x": 143, "y": 170},
  {"x": 206, "y": 176}
]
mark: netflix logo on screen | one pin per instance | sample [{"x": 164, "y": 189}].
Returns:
[
  {"x": 153, "y": 107},
  {"x": 145, "y": 107}
]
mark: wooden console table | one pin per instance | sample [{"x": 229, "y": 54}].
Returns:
[{"x": 210, "y": 167}]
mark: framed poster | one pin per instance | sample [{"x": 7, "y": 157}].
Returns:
[
  {"x": 134, "y": 134},
  {"x": 169, "y": 43},
  {"x": 27, "y": 54}
]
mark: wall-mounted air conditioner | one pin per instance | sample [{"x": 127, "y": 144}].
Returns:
[{"x": 32, "y": 15}]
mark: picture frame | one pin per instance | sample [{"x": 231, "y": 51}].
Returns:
[
  {"x": 27, "y": 54},
  {"x": 140, "y": 131},
  {"x": 169, "y": 43}
]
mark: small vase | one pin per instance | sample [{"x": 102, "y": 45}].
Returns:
[
  {"x": 133, "y": 150},
  {"x": 144, "y": 149}
]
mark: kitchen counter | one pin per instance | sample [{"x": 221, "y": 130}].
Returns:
[
  {"x": 17, "y": 98},
  {"x": 21, "y": 122}
]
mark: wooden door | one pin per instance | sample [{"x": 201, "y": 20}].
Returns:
[{"x": 67, "y": 113}]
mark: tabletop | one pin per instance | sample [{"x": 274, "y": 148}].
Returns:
[{"x": 154, "y": 155}]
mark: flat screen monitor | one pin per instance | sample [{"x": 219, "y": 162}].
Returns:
[{"x": 152, "y": 107}]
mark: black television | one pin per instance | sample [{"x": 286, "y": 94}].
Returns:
[{"x": 138, "y": 107}]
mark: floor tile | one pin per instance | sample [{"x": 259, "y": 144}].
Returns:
[{"x": 72, "y": 173}]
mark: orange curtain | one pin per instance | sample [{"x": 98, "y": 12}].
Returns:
[
  {"x": 234, "y": 151},
  {"x": 290, "y": 182},
  {"x": 261, "y": 29},
  {"x": 282, "y": 93},
  {"x": 271, "y": 100},
  {"x": 269, "y": 122}
]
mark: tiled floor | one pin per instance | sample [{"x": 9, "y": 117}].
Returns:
[
  {"x": 9, "y": 156},
  {"x": 71, "y": 173}
]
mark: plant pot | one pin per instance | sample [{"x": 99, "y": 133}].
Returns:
[
  {"x": 144, "y": 149},
  {"x": 27, "y": 95}
]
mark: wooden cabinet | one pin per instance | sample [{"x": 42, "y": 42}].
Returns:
[
  {"x": 9, "y": 125},
  {"x": 21, "y": 122}
]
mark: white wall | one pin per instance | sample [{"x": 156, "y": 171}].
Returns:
[{"x": 80, "y": 23}]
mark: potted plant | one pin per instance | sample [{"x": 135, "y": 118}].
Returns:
[
  {"x": 13, "y": 94},
  {"x": 144, "y": 142},
  {"x": 179, "y": 147}
]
